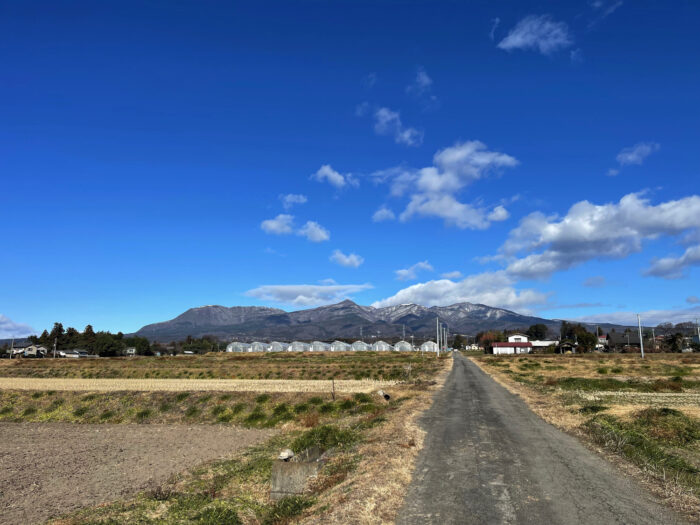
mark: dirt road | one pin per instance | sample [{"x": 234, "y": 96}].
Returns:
[
  {"x": 48, "y": 469},
  {"x": 488, "y": 459}
]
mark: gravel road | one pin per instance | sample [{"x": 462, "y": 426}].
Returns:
[
  {"x": 488, "y": 459},
  {"x": 48, "y": 469}
]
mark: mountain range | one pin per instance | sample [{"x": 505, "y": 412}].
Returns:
[{"x": 342, "y": 320}]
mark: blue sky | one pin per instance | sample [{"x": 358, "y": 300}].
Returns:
[{"x": 537, "y": 156}]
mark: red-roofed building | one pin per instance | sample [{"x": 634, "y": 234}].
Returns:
[{"x": 512, "y": 348}]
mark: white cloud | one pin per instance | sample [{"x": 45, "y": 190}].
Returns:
[
  {"x": 280, "y": 225},
  {"x": 388, "y": 122},
  {"x": 589, "y": 231},
  {"x": 637, "y": 153},
  {"x": 603, "y": 9},
  {"x": 499, "y": 213},
  {"x": 674, "y": 267},
  {"x": 597, "y": 281},
  {"x": 290, "y": 199},
  {"x": 370, "y": 80},
  {"x": 327, "y": 174},
  {"x": 452, "y": 275},
  {"x": 408, "y": 274},
  {"x": 352, "y": 260},
  {"x": 306, "y": 294},
  {"x": 540, "y": 33},
  {"x": 648, "y": 317},
  {"x": 612, "y": 172},
  {"x": 490, "y": 288},
  {"x": 383, "y": 214},
  {"x": 421, "y": 84},
  {"x": 494, "y": 25},
  {"x": 693, "y": 299},
  {"x": 432, "y": 189},
  {"x": 314, "y": 232},
  {"x": 10, "y": 329}
]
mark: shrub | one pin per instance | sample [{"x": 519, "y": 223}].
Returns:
[
  {"x": 602, "y": 370},
  {"x": 80, "y": 411},
  {"x": 191, "y": 411},
  {"x": 592, "y": 409},
  {"x": 300, "y": 408},
  {"x": 217, "y": 409},
  {"x": 262, "y": 398},
  {"x": 346, "y": 404},
  {"x": 164, "y": 407},
  {"x": 181, "y": 396},
  {"x": 29, "y": 411},
  {"x": 143, "y": 415},
  {"x": 362, "y": 397},
  {"x": 287, "y": 508},
  {"x": 316, "y": 400},
  {"x": 256, "y": 416},
  {"x": 324, "y": 437},
  {"x": 238, "y": 408},
  {"x": 107, "y": 414}
]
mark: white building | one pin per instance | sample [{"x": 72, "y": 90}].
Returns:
[
  {"x": 276, "y": 346},
  {"x": 238, "y": 347},
  {"x": 339, "y": 346},
  {"x": 360, "y": 346},
  {"x": 516, "y": 347},
  {"x": 518, "y": 338},
  {"x": 298, "y": 346},
  {"x": 429, "y": 346},
  {"x": 381, "y": 346},
  {"x": 257, "y": 346},
  {"x": 543, "y": 344},
  {"x": 318, "y": 346},
  {"x": 403, "y": 346}
]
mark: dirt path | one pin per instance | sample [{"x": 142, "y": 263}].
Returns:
[
  {"x": 489, "y": 459},
  {"x": 48, "y": 469},
  {"x": 191, "y": 385}
]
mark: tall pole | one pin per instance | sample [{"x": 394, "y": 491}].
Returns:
[
  {"x": 653, "y": 336},
  {"x": 641, "y": 341},
  {"x": 55, "y": 340},
  {"x": 12, "y": 347},
  {"x": 437, "y": 332}
]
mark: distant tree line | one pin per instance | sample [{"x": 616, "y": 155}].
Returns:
[{"x": 104, "y": 344}]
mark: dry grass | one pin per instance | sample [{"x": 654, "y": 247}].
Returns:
[
  {"x": 546, "y": 383},
  {"x": 374, "y": 493},
  {"x": 191, "y": 385},
  {"x": 306, "y": 366}
]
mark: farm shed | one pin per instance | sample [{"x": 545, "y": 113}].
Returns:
[
  {"x": 403, "y": 346},
  {"x": 360, "y": 346},
  {"x": 381, "y": 346},
  {"x": 276, "y": 346},
  {"x": 298, "y": 346},
  {"x": 339, "y": 346},
  {"x": 259, "y": 347},
  {"x": 429, "y": 346},
  {"x": 318, "y": 346}
]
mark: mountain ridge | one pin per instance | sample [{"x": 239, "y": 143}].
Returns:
[{"x": 340, "y": 320}]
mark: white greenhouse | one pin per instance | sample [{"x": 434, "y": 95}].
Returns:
[
  {"x": 429, "y": 346},
  {"x": 298, "y": 346},
  {"x": 360, "y": 346},
  {"x": 339, "y": 346},
  {"x": 381, "y": 346},
  {"x": 238, "y": 347},
  {"x": 276, "y": 346},
  {"x": 257, "y": 346},
  {"x": 403, "y": 346},
  {"x": 318, "y": 346}
]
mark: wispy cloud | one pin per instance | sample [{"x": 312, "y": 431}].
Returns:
[
  {"x": 538, "y": 33},
  {"x": 280, "y": 225},
  {"x": 421, "y": 84},
  {"x": 10, "y": 328},
  {"x": 351, "y": 260},
  {"x": 494, "y": 25},
  {"x": 290, "y": 199},
  {"x": 388, "y": 122},
  {"x": 314, "y": 232},
  {"x": 433, "y": 190},
  {"x": 589, "y": 231},
  {"x": 692, "y": 299},
  {"x": 597, "y": 281},
  {"x": 383, "y": 214},
  {"x": 675, "y": 267},
  {"x": 369, "y": 80},
  {"x": 634, "y": 155},
  {"x": 411, "y": 273},
  {"x": 490, "y": 288},
  {"x": 326, "y": 173},
  {"x": 602, "y": 9},
  {"x": 306, "y": 294},
  {"x": 452, "y": 275}
]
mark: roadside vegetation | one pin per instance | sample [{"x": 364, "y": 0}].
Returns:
[
  {"x": 366, "y": 438},
  {"x": 646, "y": 411},
  {"x": 348, "y": 365}
]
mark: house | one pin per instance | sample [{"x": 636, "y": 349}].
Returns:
[
  {"x": 34, "y": 351},
  {"x": 130, "y": 352},
  {"x": 543, "y": 344},
  {"x": 518, "y": 338},
  {"x": 619, "y": 340},
  {"x": 512, "y": 347}
]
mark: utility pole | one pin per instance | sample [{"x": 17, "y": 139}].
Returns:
[
  {"x": 361, "y": 339},
  {"x": 55, "y": 341},
  {"x": 641, "y": 341},
  {"x": 404, "y": 332},
  {"x": 12, "y": 347},
  {"x": 653, "y": 336},
  {"x": 412, "y": 347}
]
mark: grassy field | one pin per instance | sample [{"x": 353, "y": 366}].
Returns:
[
  {"x": 644, "y": 411},
  {"x": 369, "y": 438},
  {"x": 326, "y": 365}
]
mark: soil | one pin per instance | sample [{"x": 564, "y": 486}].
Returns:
[{"x": 50, "y": 469}]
